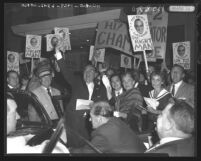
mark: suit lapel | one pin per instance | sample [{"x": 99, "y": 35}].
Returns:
[{"x": 180, "y": 90}]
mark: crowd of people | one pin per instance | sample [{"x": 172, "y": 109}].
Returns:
[{"x": 123, "y": 105}]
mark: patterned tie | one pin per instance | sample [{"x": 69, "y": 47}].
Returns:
[
  {"x": 173, "y": 90},
  {"x": 55, "y": 103}
]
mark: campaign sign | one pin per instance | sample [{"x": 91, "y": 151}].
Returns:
[
  {"x": 158, "y": 20},
  {"x": 140, "y": 33},
  {"x": 113, "y": 34},
  {"x": 181, "y": 54},
  {"x": 65, "y": 38},
  {"x": 125, "y": 61},
  {"x": 13, "y": 61},
  {"x": 53, "y": 41},
  {"x": 33, "y": 46},
  {"x": 97, "y": 55}
]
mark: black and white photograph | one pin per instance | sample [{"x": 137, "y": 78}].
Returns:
[{"x": 60, "y": 103}]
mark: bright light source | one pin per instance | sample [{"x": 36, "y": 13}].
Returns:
[{"x": 181, "y": 8}]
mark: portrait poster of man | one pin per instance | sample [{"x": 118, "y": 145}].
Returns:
[
  {"x": 140, "y": 33},
  {"x": 181, "y": 54},
  {"x": 96, "y": 55},
  {"x": 65, "y": 38},
  {"x": 125, "y": 61},
  {"x": 33, "y": 46},
  {"x": 13, "y": 61},
  {"x": 53, "y": 41}
]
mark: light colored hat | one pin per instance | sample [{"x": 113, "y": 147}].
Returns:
[{"x": 44, "y": 70}]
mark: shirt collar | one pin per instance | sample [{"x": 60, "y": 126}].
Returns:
[
  {"x": 136, "y": 84},
  {"x": 90, "y": 84},
  {"x": 10, "y": 86},
  {"x": 46, "y": 88},
  {"x": 168, "y": 139},
  {"x": 119, "y": 91}
]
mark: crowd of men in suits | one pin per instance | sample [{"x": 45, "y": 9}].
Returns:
[{"x": 116, "y": 104}]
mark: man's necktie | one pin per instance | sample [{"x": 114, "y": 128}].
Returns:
[
  {"x": 55, "y": 103},
  {"x": 173, "y": 90}
]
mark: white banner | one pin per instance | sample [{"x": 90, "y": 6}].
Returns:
[
  {"x": 125, "y": 61},
  {"x": 13, "y": 61},
  {"x": 158, "y": 20},
  {"x": 33, "y": 46},
  {"x": 65, "y": 38},
  {"x": 139, "y": 32},
  {"x": 181, "y": 54}
]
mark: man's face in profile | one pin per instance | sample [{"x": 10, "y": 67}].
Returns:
[
  {"x": 11, "y": 58},
  {"x": 181, "y": 50},
  {"x": 139, "y": 26},
  {"x": 33, "y": 42}
]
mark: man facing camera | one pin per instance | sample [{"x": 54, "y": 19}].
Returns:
[
  {"x": 175, "y": 127},
  {"x": 179, "y": 88},
  {"x": 110, "y": 135}
]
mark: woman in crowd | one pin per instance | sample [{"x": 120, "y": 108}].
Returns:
[
  {"x": 159, "y": 99},
  {"x": 127, "y": 103}
]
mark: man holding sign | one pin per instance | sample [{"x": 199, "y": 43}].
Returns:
[{"x": 84, "y": 90}]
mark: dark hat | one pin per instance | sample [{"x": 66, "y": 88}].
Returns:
[{"x": 43, "y": 70}]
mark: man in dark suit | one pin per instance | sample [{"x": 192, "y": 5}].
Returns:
[
  {"x": 111, "y": 135},
  {"x": 179, "y": 88},
  {"x": 117, "y": 88},
  {"x": 175, "y": 127},
  {"x": 83, "y": 88}
]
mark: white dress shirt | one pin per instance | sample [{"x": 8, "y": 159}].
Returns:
[
  {"x": 90, "y": 87},
  {"x": 117, "y": 93},
  {"x": 176, "y": 86}
]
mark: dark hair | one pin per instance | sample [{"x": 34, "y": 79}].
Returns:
[
  {"x": 136, "y": 75},
  {"x": 128, "y": 73},
  {"x": 179, "y": 66},
  {"x": 115, "y": 75},
  {"x": 11, "y": 71},
  {"x": 160, "y": 74},
  {"x": 183, "y": 115},
  {"x": 102, "y": 108}
]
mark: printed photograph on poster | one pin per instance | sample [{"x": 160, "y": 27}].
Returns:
[
  {"x": 181, "y": 54},
  {"x": 12, "y": 61},
  {"x": 65, "y": 38},
  {"x": 125, "y": 61},
  {"x": 140, "y": 33},
  {"x": 53, "y": 41},
  {"x": 33, "y": 46},
  {"x": 97, "y": 55}
]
